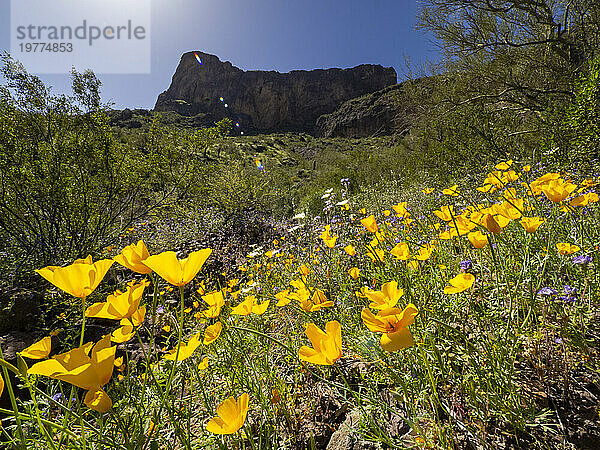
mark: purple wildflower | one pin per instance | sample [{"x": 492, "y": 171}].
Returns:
[
  {"x": 582, "y": 259},
  {"x": 568, "y": 290},
  {"x": 570, "y": 294},
  {"x": 547, "y": 291},
  {"x": 465, "y": 265},
  {"x": 58, "y": 397}
]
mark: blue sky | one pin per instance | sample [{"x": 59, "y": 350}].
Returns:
[{"x": 280, "y": 35}]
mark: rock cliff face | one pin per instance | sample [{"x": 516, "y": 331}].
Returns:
[
  {"x": 266, "y": 101},
  {"x": 388, "y": 111}
]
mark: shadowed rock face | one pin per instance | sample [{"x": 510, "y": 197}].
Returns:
[
  {"x": 388, "y": 111},
  {"x": 267, "y": 101}
]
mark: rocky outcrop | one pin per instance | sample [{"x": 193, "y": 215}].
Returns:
[
  {"x": 387, "y": 111},
  {"x": 266, "y": 101}
]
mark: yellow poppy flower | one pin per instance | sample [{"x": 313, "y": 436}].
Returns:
[
  {"x": 531, "y": 224},
  {"x": 448, "y": 234},
  {"x": 231, "y": 415},
  {"x": 316, "y": 302},
  {"x": 511, "y": 210},
  {"x": 502, "y": 221},
  {"x": 79, "y": 367},
  {"x": 486, "y": 188},
  {"x": 212, "y": 333},
  {"x": 445, "y": 213},
  {"x": 132, "y": 257},
  {"x": 424, "y": 253},
  {"x": 585, "y": 199},
  {"x": 354, "y": 272},
  {"x": 401, "y": 209},
  {"x": 511, "y": 176},
  {"x": 558, "y": 190},
  {"x": 282, "y": 298},
  {"x": 215, "y": 302},
  {"x": 387, "y": 297},
  {"x": 564, "y": 248},
  {"x": 428, "y": 190},
  {"x": 128, "y": 326},
  {"x": 119, "y": 305},
  {"x": 490, "y": 223},
  {"x": 401, "y": 251},
  {"x": 393, "y": 323},
  {"x": 260, "y": 308},
  {"x": 504, "y": 165},
  {"x": 461, "y": 225},
  {"x": 327, "y": 346},
  {"x": 370, "y": 223},
  {"x": 250, "y": 305},
  {"x": 451, "y": 191},
  {"x": 185, "y": 350},
  {"x": 536, "y": 185},
  {"x": 175, "y": 271},
  {"x": 329, "y": 240},
  {"x": 350, "y": 250},
  {"x": 98, "y": 400},
  {"x": 478, "y": 239},
  {"x": 459, "y": 283},
  {"x": 203, "y": 365},
  {"x": 412, "y": 265},
  {"x": 39, "y": 350},
  {"x": 79, "y": 279}
]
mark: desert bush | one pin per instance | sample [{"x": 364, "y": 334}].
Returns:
[{"x": 68, "y": 185}]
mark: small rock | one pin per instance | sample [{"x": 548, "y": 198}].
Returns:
[{"x": 347, "y": 436}]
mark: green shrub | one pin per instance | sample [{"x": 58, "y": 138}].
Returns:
[{"x": 68, "y": 186}]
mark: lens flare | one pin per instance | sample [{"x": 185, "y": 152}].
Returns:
[{"x": 198, "y": 58}]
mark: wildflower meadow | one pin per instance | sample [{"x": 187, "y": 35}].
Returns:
[{"x": 452, "y": 317}]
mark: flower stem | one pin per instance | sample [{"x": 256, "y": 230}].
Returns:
[
  {"x": 13, "y": 403},
  {"x": 83, "y": 302}
]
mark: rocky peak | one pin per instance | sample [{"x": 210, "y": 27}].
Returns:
[{"x": 266, "y": 100}]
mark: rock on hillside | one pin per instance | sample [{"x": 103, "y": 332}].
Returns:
[
  {"x": 387, "y": 111},
  {"x": 267, "y": 101}
]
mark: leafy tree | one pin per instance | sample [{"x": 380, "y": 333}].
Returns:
[
  {"x": 68, "y": 185},
  {"x": 525, "y": 52},
  {"x": 509, "y": 75},
  {"x": 582, "y": 120}
]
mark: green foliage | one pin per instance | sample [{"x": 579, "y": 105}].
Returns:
[
  {"x": 68, "y": 184},
  {"x": 63, "y": 179},
  {"x": 509, "y": 78},
  {"x": 583, "y": 118}
]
